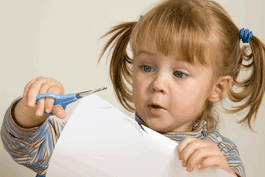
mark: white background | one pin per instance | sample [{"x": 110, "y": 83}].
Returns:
[{"x": 59, "y": 39}]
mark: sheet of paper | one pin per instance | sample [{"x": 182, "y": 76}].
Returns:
[{"x": 101, "y": 141}]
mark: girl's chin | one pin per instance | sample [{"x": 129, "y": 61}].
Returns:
[{"x": 157, "y": 126}]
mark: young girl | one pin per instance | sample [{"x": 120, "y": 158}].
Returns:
[{"x": 186, "y": 57}]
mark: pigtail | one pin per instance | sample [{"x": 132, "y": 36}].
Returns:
[
  {"x": 119, "y": 61},
  {"x": 254, "y": 85}
]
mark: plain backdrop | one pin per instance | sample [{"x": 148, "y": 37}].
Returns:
[{"x": 60, "y": 39}]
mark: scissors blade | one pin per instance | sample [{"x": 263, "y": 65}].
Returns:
[{"x": 89, "y": 92}]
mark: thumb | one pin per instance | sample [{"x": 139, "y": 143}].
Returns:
[{"x": 59, "y": 111}]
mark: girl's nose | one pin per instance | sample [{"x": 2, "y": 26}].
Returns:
[{"x": 159, "y": 82}]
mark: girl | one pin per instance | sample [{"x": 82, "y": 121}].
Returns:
[{"x": 186, "y": 58}]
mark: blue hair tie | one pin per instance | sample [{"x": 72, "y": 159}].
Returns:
[
  {"x": 245, "y": 35},
  {"x": 140, "y": 17}
]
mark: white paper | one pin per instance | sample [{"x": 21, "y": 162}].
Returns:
[{"x": 101, "y": 141}]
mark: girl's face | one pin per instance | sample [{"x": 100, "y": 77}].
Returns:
[{"x": 173, "y": 83}]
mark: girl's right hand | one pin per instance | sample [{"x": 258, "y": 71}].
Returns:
[{"x": 41, "y": 85}]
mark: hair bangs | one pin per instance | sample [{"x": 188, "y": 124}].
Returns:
[{"x": 174, "y": 29}]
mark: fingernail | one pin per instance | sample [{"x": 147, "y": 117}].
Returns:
[
  {"x": 183, "y": 164},
  {"x": 188, "y": 169},
  {"x": 38, "y": 113},
  {"x": 47, "y": 110},
  {"x": 199, "y": 166}
]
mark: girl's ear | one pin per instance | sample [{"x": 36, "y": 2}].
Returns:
[{"x": 220, "y": 89}]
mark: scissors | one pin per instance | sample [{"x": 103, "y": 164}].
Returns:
[{"x": 64, "y": 100}]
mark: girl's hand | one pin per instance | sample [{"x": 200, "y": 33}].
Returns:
[
  {"x": 201, "y": 153},
  {"x": 43, "y": 85}
]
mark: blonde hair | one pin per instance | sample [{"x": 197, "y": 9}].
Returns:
[{"x": 198, "y": 28}]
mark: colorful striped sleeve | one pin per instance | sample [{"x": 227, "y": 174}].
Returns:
[
  {"x": 30, "y": 147},
  {"x": 229, "y": 150}
]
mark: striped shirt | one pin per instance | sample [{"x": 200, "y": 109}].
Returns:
[{"x": 33, "y": 147}]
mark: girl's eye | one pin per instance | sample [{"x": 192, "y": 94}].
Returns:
[
  {"x": 145, "y": 66},
  {"x": 180, "y": 73}
]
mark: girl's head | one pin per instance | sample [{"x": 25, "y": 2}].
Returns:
[{"x": 186, "y": 57}]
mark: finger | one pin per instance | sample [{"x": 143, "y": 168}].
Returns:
[
  {"x": 41, "y": 102},
  {"x": 49, "y": 102},
  {"x": 28, "y": 86},
  {"x": 197, "y": 156},
  {"x": 40, "y": 107},
  {"x": 209, "y": 162},
  {"x": 183, "y": 144},
  {"x": 58, "y": 111},
  {"x": 190, "y": 148},
  {"x": 33, "y": 92},
  {"x": 25, "y": 92}
]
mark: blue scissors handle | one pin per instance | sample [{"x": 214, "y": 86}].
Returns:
[{"x": 62, "y": 100}]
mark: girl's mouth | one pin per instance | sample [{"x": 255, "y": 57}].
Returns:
[
  {"x": 153, "y": 105},
  {"x": 156, "y": 110}
]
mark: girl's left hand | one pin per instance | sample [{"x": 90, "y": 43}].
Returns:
[{"x": 201, "y": 153}]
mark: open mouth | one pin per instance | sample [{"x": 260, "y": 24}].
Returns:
[
  {"x": 156, "y": 106},
  {"x": 156, "y": 110}
]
